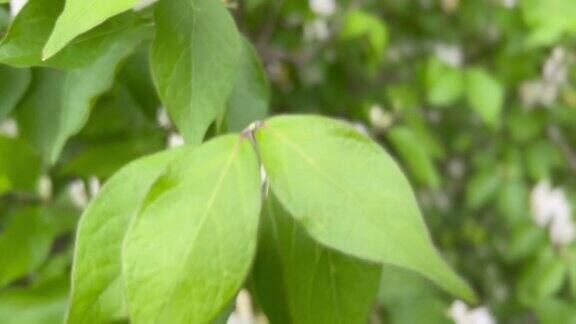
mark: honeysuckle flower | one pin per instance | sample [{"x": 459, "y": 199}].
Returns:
[
  {"x": 378, "y": 118},
  {"x": 93, "y": 186},
  {"x": 562, "y": 231},
  {"x": 510, "y": 4},
  {"x": 143, "y": 4},
  {"x": 16, "y": 6},
  {"x": 323, "y": 7},
  {"x": 78, "y": 193},
  {"x": 550, "y": 207},
  {"x": 162, "y": 119},
  {"x": 449, "y": 54},
  {"x": 462, "y": 314},
  {"x": 243, "y": 313},
  {"x": 9, "y": 128},
  {"x": 316, "y": 30},
  {"x": 175, "y": 140},
  {"x": 45, "y": 188}
]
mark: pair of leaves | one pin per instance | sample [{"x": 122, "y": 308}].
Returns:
[
  {"x": 200, "y": 62},
  {"x": 58, "y": 103},
  {"x": 185, "y": 226},
  {"x": 22, "y": 45}
]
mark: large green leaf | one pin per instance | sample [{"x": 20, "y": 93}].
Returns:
[
  {"x": 24, "y": 244},
  {"x": 22, "y": 45},
  {"x": 19, "y": 166},
  {"x": 249, "y": 100},
  {"x": 350, "y": 195},
  {"x": 14, "y": 84},
  {"x": 193, "y": 240},
  {"x": 300, "y": 281},
  {"x": 195, "y": 59},
  {"x": 80, "y": 16},
  {"x": 97, "y": 294},
  {"x": 58, "y": 104}
]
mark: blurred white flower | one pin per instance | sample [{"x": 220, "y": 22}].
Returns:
[
  {"x": 562, "y": 231},
  {"x": 360, "y": 127},
  {"x": 316, "y": 30},
  {"x": 93, "y": 186},
  {"x": 175, "y": 140},
  {"x": 78, "y": 193},
  {"x": 243, "y": 313},
  {"x": 9, "y": 128},
  {"x": 379, "y": 119},
  {"x": 510, "y": 4},
  {"x": 461, "y": 314},
  {"x": 450, "y": 54},
  {"x": 45, "y": 188},
  {"x": 16, "y": 6},
  {"x": 323, "y": 7},
  {"x": 449, "y": 5},
  {"x": 143, "y": 4},
  {"x": 162, "y": 119},
  {"x": 550, "y": 207}
]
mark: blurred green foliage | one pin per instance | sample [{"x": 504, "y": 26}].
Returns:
[{"x": 477, "y": 100}]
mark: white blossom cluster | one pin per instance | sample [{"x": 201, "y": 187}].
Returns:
[
  {"x": 317, "y": 29},
  {"x": 9, "y": 128},
  {"x": 16, "y": 6},
  {"x": 174, "y": 139},
  {"x": 462, "y": 314},
  {"x": 545, "y": 90},
  {"x": 80, "y": 195},
  {"x": 551, "y": 208}
]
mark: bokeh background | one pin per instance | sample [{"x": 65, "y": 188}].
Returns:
[{"x": 475, "y": 98}]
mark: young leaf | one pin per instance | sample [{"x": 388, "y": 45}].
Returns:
[
  {"x": 22, "y": 45},
  {"x": 195, "y": 59},
  {"x": 485, "y": 95},
  {"x": 80, "y": 16},
  {"x": 299, "y": 281},
  {"x": 350, "y": 195},
  {"x": 97, "y": 293},
  {"x": 193, "y": 240},
  {"x": 249, "y": 100},
  {"x": 58, "y": 103},
  {"x": 24, "y": 245},
  {"x": 14, "y": 84}
]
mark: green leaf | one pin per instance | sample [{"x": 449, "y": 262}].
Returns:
[
  {"x": 19, "y": 166},
  {"x": 97, "y": 294},
  {"x": 249, "y": 100},
  {"x": 362, "y": 24},
  {"x": 298, "y": 280},
  {"x": 195, "y": 59},
  {"x": 58, "y": 104},
  {"x": 485, "y": 95},
  {"x": 415, "y": 155},
  {"x": 350, "y": 195},
  {"x": 14, "y": 84},
  {"x": 194, "y": 238},
  {"x": 444, "y": 84},
  {"x": 28, "y": 33},
  {"x": 41, "y": 304},
  {"x": 80, "y": 16},
  {"x": 24, "y": 244}
]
